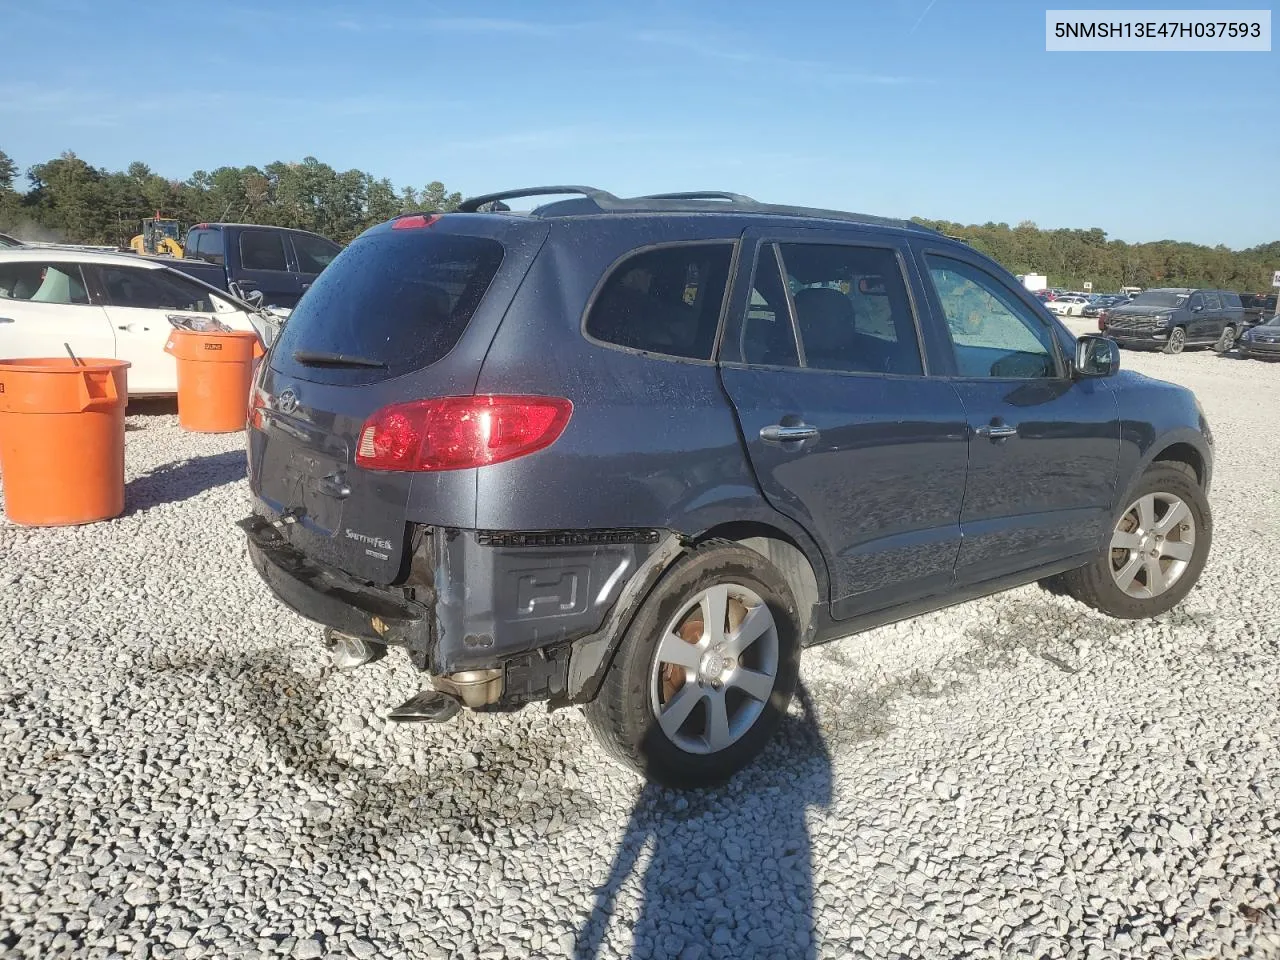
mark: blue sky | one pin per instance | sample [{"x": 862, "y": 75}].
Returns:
[{"x": 935, "y": 108}]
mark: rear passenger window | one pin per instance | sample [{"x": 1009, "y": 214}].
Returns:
[
  {"x": 666, "y": 300},
  {"x": 1230, "y": 300},
  {"x": 851, "y": 308},
  {"x": 1212, "y": 302},
  {"x": 261, "y": 250},
  {"x": 766, "y": 336}
]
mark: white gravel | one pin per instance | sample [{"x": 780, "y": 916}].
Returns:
[{"x": 182, "y": 776}]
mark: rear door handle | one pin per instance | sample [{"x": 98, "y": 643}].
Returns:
[
  {"x": 6, "y": 319},
  {"x": 777, "y": 433},
  {"x": 993, "y": 431}
]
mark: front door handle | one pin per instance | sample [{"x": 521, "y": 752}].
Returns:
[
  {"x": 6, "y": 319},
  {"x": 996, "y": 431},
  {"x": 777, "y": 433}
]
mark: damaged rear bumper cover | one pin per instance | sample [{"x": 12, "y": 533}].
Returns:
[{"x": 545, "y": 607}]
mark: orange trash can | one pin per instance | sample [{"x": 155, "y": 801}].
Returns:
[
  {"x": 62, "y": 440},
  {"x": 215, "y": 372}
]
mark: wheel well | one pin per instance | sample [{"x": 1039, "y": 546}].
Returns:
[
  {"x": 1183, "y": 453},
  {"x": 784, "y": 553}
]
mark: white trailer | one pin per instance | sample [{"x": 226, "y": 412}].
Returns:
[{"x": 1034, "y": 282}]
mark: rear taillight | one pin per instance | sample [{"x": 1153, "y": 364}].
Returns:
[{"x": 453, "y": 433}]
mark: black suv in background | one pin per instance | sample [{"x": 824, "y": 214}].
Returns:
[
  {"x": 636, "y": 453},
  {"x": 1258, "y": 308},
  {"x": 279, "y": 263},
  {"x": 1174, "y": 318}
]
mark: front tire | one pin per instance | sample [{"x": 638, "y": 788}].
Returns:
[
  {"x": 1226, "y": 341},
  {"x": 1157, "y": 551},
  {"x": 1177, "y": 340},
  {"x": 705, "y": 672}
]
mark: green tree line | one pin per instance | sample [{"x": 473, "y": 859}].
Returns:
[
  {"x": 74, "y": 202},
  {"x": 1071, "y": 257},
  {"x": 70, "y": 200}
]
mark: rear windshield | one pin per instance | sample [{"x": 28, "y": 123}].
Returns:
[{"x": 398, "y": 298}]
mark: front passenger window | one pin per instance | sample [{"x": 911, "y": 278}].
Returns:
[
  {"x": 993, "y": 333},
  {"x": 37, "y": 282}
]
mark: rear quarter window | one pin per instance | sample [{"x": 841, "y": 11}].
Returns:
[
  {"x": 664, "y": 300},
  {"x": 403, "y": 299}
]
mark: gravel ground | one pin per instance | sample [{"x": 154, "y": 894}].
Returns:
[{"x": 181, "y": 775}]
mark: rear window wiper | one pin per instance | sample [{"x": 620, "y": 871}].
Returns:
[{"x": 316, "y": 358}]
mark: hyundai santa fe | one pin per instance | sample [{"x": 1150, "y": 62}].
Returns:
[{"x": 636, "y": 454}]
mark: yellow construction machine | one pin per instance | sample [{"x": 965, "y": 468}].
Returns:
[{"x": 160, "y": 237}]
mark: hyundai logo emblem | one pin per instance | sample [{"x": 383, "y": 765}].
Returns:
[{"x": 287, "y": 402}]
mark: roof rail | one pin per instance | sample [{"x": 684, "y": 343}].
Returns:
[
  {"x": 593, "y": 201},
  {"x": 702, "y": 195},
  {"x": 602, "y": 198}
]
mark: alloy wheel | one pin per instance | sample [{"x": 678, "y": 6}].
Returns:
[
  {"x": 714, "y": 669},
  {"x": 1152, "y": 545}
]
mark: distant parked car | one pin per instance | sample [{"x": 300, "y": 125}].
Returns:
[
  {"x": 1258, "y": 308},
  {"x": 1100, "y": 303},
  {"x": 1071, "y": 305},
  {"x": 1262, "y": 341},
  {"x": 1173, "y": 318},
  {"x": 277, "y": 262},
  {"x": 108, "y": 305}
]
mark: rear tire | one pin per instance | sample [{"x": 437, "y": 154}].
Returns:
[
  {"x": 671, "y": 706},
  {"x": 1157, "y": 551},
  {"x": 1227, "y": 341},
  {"x": 1177, "y": 340}
]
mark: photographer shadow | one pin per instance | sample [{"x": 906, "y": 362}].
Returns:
[{"x": 729, "y": 872}]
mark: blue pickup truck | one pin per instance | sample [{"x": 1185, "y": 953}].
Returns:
[{"x": 278, "y": 262}]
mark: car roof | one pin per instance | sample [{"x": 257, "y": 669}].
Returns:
[
  {"x": 74, "y": 255},
  {"x": 594, "y": 202},
  {"x": 256, "y": 226}
]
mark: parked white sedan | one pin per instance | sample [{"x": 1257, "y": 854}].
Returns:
[
  {"x": 108, "y": 305},
  {"x": 1068, "y": 306}
]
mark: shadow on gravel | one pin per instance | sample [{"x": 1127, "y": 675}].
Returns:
[
  {"x": 748, "y": 891},
  {"x": 183, "y": 479},
  {"x": 369, "y": 807},
  {"x": 152, "y": 407}
]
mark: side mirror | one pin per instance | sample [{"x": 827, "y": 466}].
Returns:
[{"x": 1096, "y": 356}]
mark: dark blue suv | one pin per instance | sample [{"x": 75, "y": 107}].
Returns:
[{"x": 637, "y": 453}]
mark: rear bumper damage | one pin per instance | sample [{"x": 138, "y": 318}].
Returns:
[{"x": 498, "y": 619}]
